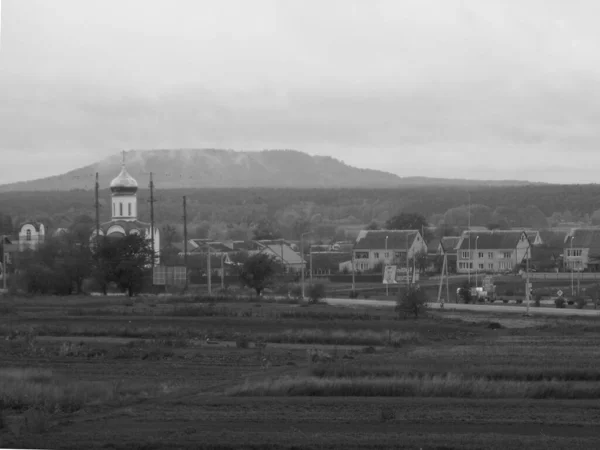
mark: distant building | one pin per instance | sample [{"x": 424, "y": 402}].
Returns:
[
  {"x": 124, "y": 207},
  {"x": 31, "y": 235},
  {"x": 387, "y": 247}
]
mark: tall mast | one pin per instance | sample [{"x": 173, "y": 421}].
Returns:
[{"x": 151, "y": 215}]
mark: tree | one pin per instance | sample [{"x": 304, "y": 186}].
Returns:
[
  {"x": 265, "y": 230},
  {"x": 406, "y": 221},
  {"x": 125, "y": 261},
  {"x": 258, "y": 272},
  {"x": 421, "y": 261},
  {"x": 169, "y": 235},
  {"x": 411, "y": 300},
  {"x": 373, "y": 226}
]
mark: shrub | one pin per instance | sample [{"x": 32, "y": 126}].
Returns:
[
  {"x": 519, "y": 301},
  {"x": 316, "y": 292},
  {"x": 242, "y": 342},
  {"x": 580, "y": 302},
  {"x": 559, "y": 302},
  {"x": 504, "y": 300},
  {"x": 570, "y": 302},
  {"x": 353, "y": 294},
  {"x": 366, "y": 295},
  {"x": 411, "y": 300},
  {"x": 537, "y": 302}
]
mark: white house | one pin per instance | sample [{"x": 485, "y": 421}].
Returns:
[
  {"x": 387, "y": 247},
  {"x": 31, "y": 235}
]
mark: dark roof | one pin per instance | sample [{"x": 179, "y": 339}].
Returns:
[
  {"x": 329, "y": 260},
  {"x": 553, "y": 238},
  {"x": 432, "y": 246},
  {"x": 375, "y": 239},
  {"x": 490, "y": 240},
  {"x": 449, "y": 243},
  {"x": 586, "y": 238}
]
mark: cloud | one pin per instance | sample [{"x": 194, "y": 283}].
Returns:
[{"x": 419, "y": 87}]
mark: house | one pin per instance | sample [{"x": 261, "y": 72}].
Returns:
[
  {"x": 282, "y": 252},
  {"x": 31, "y": 235},
  {"x": 492, "y": 250},
  {"x": 547, "y": 255},
  {"x": 326, "y": 263},
  {"x": 582, "y": 250},
  {"x": 534, "y": 237},
  {"x": 387, "y": 247}
]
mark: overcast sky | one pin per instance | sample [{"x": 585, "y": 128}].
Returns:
[{"x": 448, "y": 88}]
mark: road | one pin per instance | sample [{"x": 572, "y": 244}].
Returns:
[{"x": 462, "y": 307}]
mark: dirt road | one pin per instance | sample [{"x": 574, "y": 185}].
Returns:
[{"x": 480, "y": 308}]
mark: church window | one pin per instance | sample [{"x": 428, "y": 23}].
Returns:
[
  {"x": 28, "y": 235},
  {"x": 129, "y": 209},
  {"x": 121, "y": 209}
]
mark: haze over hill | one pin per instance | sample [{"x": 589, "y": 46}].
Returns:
[{"x": 210, "y": 168}]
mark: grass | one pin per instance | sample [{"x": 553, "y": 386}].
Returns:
[
  {"x": 344, "y": 337},
  {"x": 51, "y": 392},
  {"x": 447, "y": 385}
]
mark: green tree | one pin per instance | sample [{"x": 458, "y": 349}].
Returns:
[
  {"x": 411, "y": 301},
  {"x": 407, "y": 221},
  {"x": 265, "y": 230},
  {"x": 125, "y": 261},
  {"x": 258, "y": 272}
]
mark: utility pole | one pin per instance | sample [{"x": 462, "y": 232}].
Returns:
[
  {"x": 185, "y": 240},
  {"x": 469, "y": 234},
  {"x": 222, "y": 270},
  {"x": 353, "y": 270},
  {"x": 310, "y": 263},
  {"x": 4, "y": 262},
  {"x": 387, "y": 286},
  {"x": 208, "y": 271},
  {"x": 97, "y": 206},
  {"x": 407, "y": 263},
  {"x": 152, "y": 219}
]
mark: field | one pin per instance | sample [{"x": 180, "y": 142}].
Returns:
[{"x": 174, "y": 372}]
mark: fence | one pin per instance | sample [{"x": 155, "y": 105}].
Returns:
[{"x": 563, "y": 275}]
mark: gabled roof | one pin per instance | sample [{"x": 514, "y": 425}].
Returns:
[
  {"x": 433, "y": 246},
  {"x": 585, "y": 238},
  {"x": 375, "y": 239},
  {"x": 490, "y": 240},
  {"x": 278, "y": 250},
  {"x": 553, "y": 238},
  {"x": 449, "y": 243}
]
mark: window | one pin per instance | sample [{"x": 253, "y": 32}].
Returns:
[
  {"x": 481, "y": 266},
  {"x": 577, "y": 252},
  {"x": 28, "y": 235},
  {"x": 129, "y": 209},
  {"x": 387, "y": 254},
  {"x": 491, "y": 255},
  {"x": 376, "y": 255},
  {"x": 120, "y": 209},
  {"x": 507, "y": 255},
  {"x": 470, "y": 265},
  {"x": 481, "y": 254},
  {"x": 491, "y": 266},
  {"x": 465, "y": 255}
]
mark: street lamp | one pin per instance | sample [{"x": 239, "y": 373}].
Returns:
[
  {"x": 303, "y": 261},
  {"x": 387, "y": 286},
  {"x": 476, "y": 263}
]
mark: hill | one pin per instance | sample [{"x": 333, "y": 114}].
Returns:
[{"x": 211, "y": 168}]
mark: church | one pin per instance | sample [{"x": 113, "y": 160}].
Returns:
[{"x": 124, "y": 209}]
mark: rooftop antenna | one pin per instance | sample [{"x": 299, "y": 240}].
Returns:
[{"x": 123, "y": 161}]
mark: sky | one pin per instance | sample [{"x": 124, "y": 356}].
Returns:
[{"x": 477, "y": 89}]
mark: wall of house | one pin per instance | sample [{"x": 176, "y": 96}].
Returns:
[
  {"x": 387, "y": 257},
  {"x": 485, "y": 260},
  {"x": 35, "y": 237},
  {"x": 578, "y": 259}
]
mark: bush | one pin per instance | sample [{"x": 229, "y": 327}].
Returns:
[
  {"x": 559, "y": 302},
  {"x": 570, "y": 302},
  {"x": 242, "y": 342},
  {"x": 353, "y": 294},
  {"x": 316, "y": 292},
  {"x": 537, "y": 302},
  {"x": 504, "y": 300},
  {"x": 366, "y": 295},
  {"x": 411, "y": 300},
  {"x": 580, "y": 302},
  {"x": 519, "y": 301}
]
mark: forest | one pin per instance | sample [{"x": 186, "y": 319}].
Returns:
[{"x": 332, "y": 213}]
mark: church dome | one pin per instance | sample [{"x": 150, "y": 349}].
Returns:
[{"x": 124, "y": 183}]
